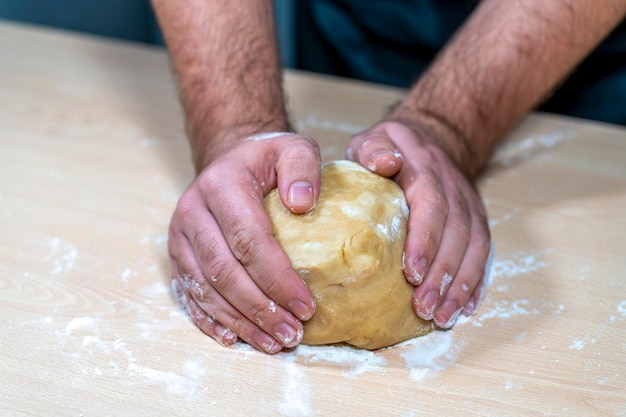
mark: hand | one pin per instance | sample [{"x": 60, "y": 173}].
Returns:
[
  {"x": 448, "y": 239},
  {"x": 228, "y": 271}
]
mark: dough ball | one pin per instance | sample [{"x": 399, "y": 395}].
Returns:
[{"x": 349, "y": 252}]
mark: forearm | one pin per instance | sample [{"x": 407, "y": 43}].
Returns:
[
  {"x": 226, "y": 60},
  {"x": 507, "y": 58}
]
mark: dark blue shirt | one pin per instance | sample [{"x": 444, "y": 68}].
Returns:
[{"x": 393, "y": 41}]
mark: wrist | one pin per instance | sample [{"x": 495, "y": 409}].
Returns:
[
  {"x": 207, "y": 146},
  {"x": 439, "y": 131}
]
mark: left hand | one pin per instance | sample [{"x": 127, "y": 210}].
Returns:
[{"x": 448, "y": 240}]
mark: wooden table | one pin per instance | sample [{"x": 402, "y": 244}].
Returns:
[{"x": 92, "y": 160}]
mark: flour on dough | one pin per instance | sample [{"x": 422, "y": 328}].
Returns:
[{"x": 349, "y": 252}]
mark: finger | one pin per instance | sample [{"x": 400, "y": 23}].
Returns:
[
  {"x": 465, "y": 283},
  {"x": 430, "y": 294},
  {"x": 298, "y": 173},
  {"x": 375, "y": 151},
  {"x": 478, "y": 295},
  {"x": 207, "y": 324},
  {"x": 224, "y": 270},
  {"x": 246, "y": 229},
  {"x": 212, "y": 328},
  {"x": 427, "y": 216},
  {"x": 208, "y": 307},
  {"x": 214, "y": 309}
]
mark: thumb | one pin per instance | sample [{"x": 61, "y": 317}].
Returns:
[{"x": 375, "y": 150}]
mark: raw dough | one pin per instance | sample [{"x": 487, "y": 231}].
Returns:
[{"x": 349, "y": 252}]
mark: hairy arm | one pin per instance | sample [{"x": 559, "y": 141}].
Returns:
[
  {"x": 227, "y": 65},
  {"x": 227, "y": 268},
  {"x": 506, "y": 58}
]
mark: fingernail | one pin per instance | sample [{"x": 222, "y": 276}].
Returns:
[
  {"x": 228, "y": 337},
  {"x": 390, "y": 162},
  {"x": 469, "y": 309},
  {"x": 373, "y": 164},
  {"x": 300, "y": 310},
  {"x": 267, "y": 343},
  {"x": 419, "y": 270},
  {"x": 427, "y": 305},
  {"x": 444, "y": 318},
  {"x": 301, "y": 193},
  {"x": 287, "y": 335}
]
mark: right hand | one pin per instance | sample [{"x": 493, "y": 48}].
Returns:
[
  {"x": 448, "y": 241},
  {"x": 228, "y": 270}
]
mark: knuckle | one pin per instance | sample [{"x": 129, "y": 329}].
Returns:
[
  {"x": 302, "y": 151},
  {"x": 460, "y": 205},
  {"x": 239, "y": 324},
  {"x": 218, "y": 265},
  {"x": 196, "y": 290},
  {"x": 214, "y": 263},
  {"x": 271, "y": 285},
  {"x": 211, "y": 180},
  {"x": 460, "y": 221},
  {"x": 436, "y": 206},
  {"x": 257, "y": 312},
  {"x": 186, "y": 207},
  {"x": 308, "y": 142},
  {"x": 244, "y": 245},
  {"x": 433, "y": 198},
  {"x": 461, "y": 227},
  {"x": 222, "y": 272},
  {"x": 205, "y": 246},
  {"x": 431, "y": 179}
]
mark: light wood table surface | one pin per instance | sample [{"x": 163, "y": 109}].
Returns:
[{"x": 93, "y": 158}]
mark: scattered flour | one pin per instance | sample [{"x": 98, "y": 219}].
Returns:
[
  {"x": 355, "y": 361},
  {"x": 529, "y": 146},
  {"x": 500, "y": 272},
  {"x": 314, "y": 121},
  {"x": 296, "y": 397},
  {"x": 430, "y": 354},
  {"x": 62, "y": 254},
  {"x": 267, "y": 136},
  {"x": 156, "y": 290},
  {"x": 511, "y": 385},
  {"x": 504, "y": 218},
  {"x": 505, "y": 309},
  {"x": 87, "y": 340},
  {"x": 127, "y": 274},
  {"x": 423, "y": 357},
  {"x": 548, "y": 140},
  {"x": 174, "y": 383},
  {"x": 80, "y": 322},
  {"x": 147, "y": 142},
  {"x": 520, "y": 264}
]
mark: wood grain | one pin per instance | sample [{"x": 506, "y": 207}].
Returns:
[{"x": 93, "y": 158}]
